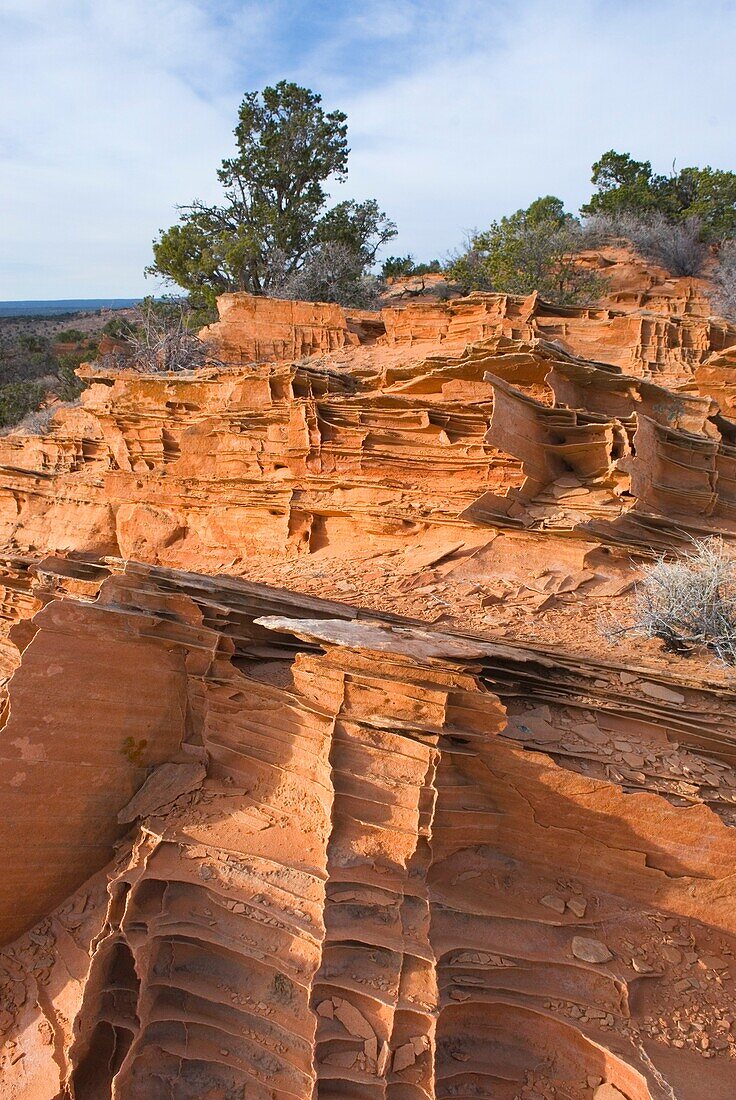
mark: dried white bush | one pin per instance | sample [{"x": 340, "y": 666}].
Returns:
[
  {"x": 723, "y": 298},
  {"x": 39, "y": 422},
  {"x": 677, "y": 246},
  {"x": 689, "y": 601},
  {"x": 160, "y": 341},
  {"x": 333, "y": 272}
]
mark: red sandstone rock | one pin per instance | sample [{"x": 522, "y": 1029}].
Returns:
[
  {"x": 252, "y": 330},
  {"x": 262, "y": 843}
]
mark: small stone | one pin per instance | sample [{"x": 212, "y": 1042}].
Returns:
[
  {"x": 671, "y": 955},
  {"x": 641, "y": 967},
  {"x": 608, "y": 1092},
  {"x": 354, "y": 1021},
  {"x": 712, "y": 962},
  {"x": 551, "y": 901},
  {"x": 403, "y": 1058},
  {"x": 577, "y": 905},
  {"x": 659, "y": 691},
  {"x": 326, "y": 1008},
  {"x": 589, "y": 950}
]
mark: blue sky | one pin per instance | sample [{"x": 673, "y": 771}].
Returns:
[{"x": 114, "y": 111}]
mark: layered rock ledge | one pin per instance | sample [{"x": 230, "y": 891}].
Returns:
[{"x": 319, "y": 779}]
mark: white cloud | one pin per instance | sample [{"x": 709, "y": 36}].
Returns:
[
  {"x": 458, "y": 113},
  {"x": 119, "y": 111},
  {"x": 478, "y": 135}
]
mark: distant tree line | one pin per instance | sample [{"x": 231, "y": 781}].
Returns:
[
  {"x": 625, "y": 186},
  {"x": 674, "y": 220},
  {"x": 275, "y": 233}
]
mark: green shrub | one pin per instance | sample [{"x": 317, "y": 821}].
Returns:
[
  {"x": 71, "y": 336},
  {"x": 37, "y": 345},
  {"x": 70, "y": 387},
  {"x": 533, "y": 249},
  {"x": 394, "y": 267},
  {"x": 434, "y": 267},
  {"x": 17, "y": 399},
  {"x": 118, "y": 328}
]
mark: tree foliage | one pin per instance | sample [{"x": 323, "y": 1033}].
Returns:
[
  {"x": 359, "y": 226},
  {"x": 533, "y": 249},
  {"x": 17, "y": 399},
  {"x": 624, "y": 185},
  {"x": 395, "y": 267},
  {"x": 274, "y": 214}
]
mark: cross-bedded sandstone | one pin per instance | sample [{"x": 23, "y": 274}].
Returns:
[{"x": 285, "y": 815}]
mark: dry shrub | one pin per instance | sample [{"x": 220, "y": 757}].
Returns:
[
  {"x": 39, "y": 422},
  {"x": 161, "y": 341},
  {"x": 333, "y": 272},
  {"x": 689, "y": 602},
  {"x": 677, "y": 246},
  {"x": 723, "y": 296},
  {"x": 36, "y": 423}
]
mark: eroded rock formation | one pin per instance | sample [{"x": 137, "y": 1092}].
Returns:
[{"x": 319, "y": 779}]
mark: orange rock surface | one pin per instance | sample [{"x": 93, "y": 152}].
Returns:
[{"x": 319, "y": 778}]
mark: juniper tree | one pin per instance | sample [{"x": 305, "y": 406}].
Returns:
[{"x": 274, "y": 212}]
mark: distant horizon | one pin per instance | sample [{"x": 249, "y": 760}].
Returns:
[
  {"x": 11, "y": 308},
  {"x": 60, "y": 301},
  {"x": 79, "y": 297}
]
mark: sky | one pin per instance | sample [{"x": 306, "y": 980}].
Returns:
[{"x": 459, "y": 111}]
